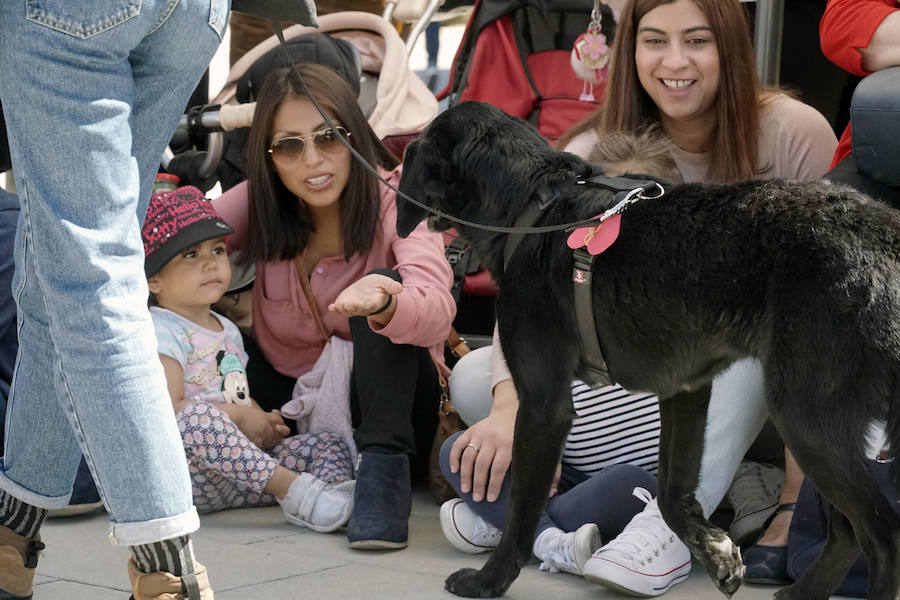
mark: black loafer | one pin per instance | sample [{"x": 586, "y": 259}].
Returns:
[{"x": 766, "y": 564}]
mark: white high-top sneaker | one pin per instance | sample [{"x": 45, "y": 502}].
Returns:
[
  {"x": 646, "y": 559},
  {"x": 561, "y": 551},
  {"x": 466, "y": 530}
]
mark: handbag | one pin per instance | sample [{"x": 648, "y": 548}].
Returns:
[{"x": 449, "y": 422}]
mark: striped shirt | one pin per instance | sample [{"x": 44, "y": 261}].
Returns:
[{"x": 612, "y": 426}]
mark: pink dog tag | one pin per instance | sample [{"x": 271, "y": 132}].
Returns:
[{"x": 597, "y": 238}]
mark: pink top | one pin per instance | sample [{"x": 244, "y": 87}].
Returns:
[{"x": 282, "y": 322}]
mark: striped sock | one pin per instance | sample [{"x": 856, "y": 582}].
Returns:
[
  {"x": 24, "y": 519},
  {"x": 175, "y": 556}
]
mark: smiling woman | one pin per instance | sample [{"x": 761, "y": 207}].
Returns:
[
  {"x": 688, "y": 66},
  {"x": 677, "y": 64}
]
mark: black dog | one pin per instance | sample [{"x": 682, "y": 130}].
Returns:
[{"x": 803, "y": 276}]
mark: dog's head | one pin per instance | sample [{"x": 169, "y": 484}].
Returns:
[{"x": 467, "y": 163}]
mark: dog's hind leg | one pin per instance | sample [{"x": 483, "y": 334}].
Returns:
[
  {"x": 827, "y": 434},
  {"x": 825, "y": 574},
  {"x": 860, "y": 512},
  {"x": 683, "y": 422},
  {"x": 882, "y": 550},
  {"x": 541, "y": 429},
  {"x": 860, "y": 509}
]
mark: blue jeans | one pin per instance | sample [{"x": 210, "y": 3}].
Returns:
[{"x": 92, "y": 91}]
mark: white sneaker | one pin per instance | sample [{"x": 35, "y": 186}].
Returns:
[
  {"x": 646, "y": 559},
  {"x": 320, "y": 506},
  {"x": 753, "y": 494},
  {"x": 560, "y": 551},
  {"x": 467, "y": 531}
]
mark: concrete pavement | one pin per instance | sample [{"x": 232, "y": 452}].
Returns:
[{"x": 255, "y": 554}]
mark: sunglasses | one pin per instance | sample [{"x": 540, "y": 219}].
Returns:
[{"x": 289, "y": 149}]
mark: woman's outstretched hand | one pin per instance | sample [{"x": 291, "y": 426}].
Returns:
[{"x": 368, "y": 295}]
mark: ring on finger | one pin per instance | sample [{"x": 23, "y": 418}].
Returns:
[{"x": 473, "y": 445}]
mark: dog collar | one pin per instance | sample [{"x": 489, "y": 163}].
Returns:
[
  {"x": 627, "y": 191},
  {"x": 601, "y": 236}
]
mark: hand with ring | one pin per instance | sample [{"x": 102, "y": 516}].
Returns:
[{"x": 483, "y": 452}]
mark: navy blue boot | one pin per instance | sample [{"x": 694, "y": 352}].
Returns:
[{"x": 382, "y": 502}]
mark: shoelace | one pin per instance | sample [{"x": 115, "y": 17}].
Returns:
[
  {"x": 751, "y": 491},
  {"x": 645, "y": 537},
  {"x": 560, "y": 556}
]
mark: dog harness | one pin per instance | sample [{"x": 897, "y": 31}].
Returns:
[{"x": 627, "y": 192}]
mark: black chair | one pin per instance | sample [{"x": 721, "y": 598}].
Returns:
[{"x": 873, "y": 166}]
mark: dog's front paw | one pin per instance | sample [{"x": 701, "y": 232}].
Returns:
[
  {"x": 725, "y": 564},
  {"x": 471, "y": 583}
]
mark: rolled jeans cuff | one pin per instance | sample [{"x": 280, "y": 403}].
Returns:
[
  {"x": 155, "y": 530},
  {"x": 27, "y": 496}
]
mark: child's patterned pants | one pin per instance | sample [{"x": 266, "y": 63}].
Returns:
[{"x": 229, "y": 471}]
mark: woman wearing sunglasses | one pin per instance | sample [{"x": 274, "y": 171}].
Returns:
[{"x": 320, "y": 229}]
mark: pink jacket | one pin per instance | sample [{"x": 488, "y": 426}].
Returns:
[{"x": 282, "y": 322}]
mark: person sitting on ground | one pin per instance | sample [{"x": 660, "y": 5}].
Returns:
[
  {"x": 688, "y": 67},
  {"x": 607, "y": 475},
  {"x": 321, "y": 233},
  {"x": 226, "y": 434}
]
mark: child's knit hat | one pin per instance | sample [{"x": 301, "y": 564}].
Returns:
[{"x": 177, "y": 220}]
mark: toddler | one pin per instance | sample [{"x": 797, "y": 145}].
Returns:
[{"x": 237, "y": 454}]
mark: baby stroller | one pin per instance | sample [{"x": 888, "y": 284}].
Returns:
[
  {"x": 515, "y": 54},
  {"x": 364, "y": 47}
]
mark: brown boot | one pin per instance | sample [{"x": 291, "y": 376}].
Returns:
[
  {"x": 18, "y": 558},
  {"x": 165, "y": 586}
]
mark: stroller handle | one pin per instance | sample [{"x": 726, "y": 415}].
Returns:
[
  {"x": 215, "y": 118},
  {"x": 212, "y": 120},
  {"x": 234, "y": 116}
]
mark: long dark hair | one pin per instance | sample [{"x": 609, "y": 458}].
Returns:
[
  {"x": 279, "y": 224},
  {"x": 628, "y": 107}
]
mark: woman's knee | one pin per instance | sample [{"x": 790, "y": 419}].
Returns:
[
  {"x": 444, "y": 457},
  {"x": 470, "y": 385}
]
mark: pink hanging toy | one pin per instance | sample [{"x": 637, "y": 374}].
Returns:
[{"x": 590, "y": 55}]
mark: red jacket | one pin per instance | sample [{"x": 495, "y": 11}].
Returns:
[{"x": 846, "y": 26}]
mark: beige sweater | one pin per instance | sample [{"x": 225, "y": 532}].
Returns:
[{"x": 795, "y": 142}]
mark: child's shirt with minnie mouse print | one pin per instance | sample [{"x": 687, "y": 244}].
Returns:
[{"x": 214, "y": 362}]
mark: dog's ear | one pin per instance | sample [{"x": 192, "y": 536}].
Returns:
[
  {"x": 408, "y": 216},
  {"x": 414, "y": 183}
]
